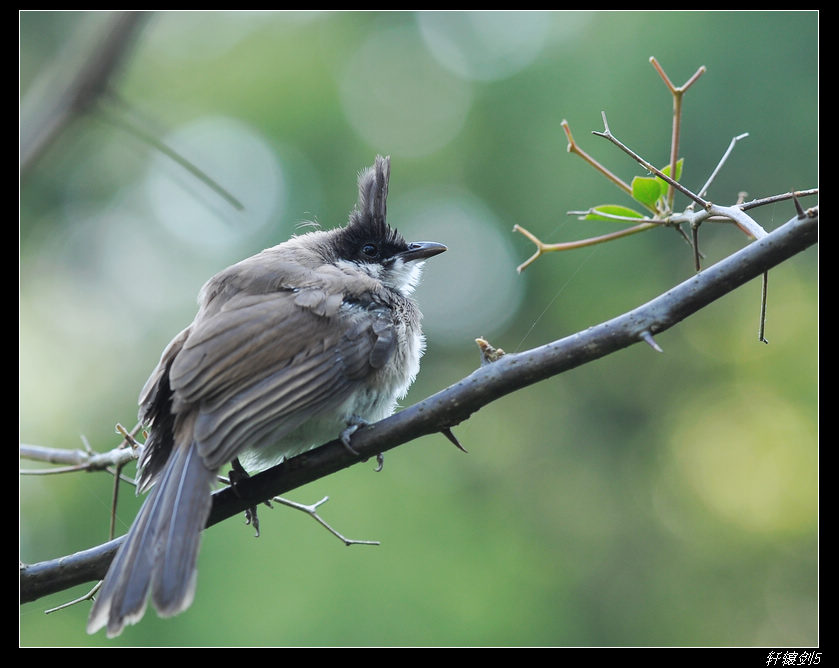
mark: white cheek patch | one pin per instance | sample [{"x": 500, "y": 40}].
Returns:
[{"x": 403, "y": 276}]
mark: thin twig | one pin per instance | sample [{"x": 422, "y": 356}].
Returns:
[
  {"x": 84, "y": 461},
  {"x": 764, "y": 287},
  {"x": 735, "y": 213},
  {"x": 694, "y": 231},
  {"x": 76, "y": 601},
  {"x": 574, "y": 148},
  {"x": 593, "y": 211},
  {"x": 114, "y": 500},
  {"x": 607, "y": 134},
  {"x": 124, "y": 124},
  {"x": 311, "y": 510},
  {"x": 763, "y": 201},
  {"x": 677, "y": 92},
  {"x": 542, "y": 247},
  {"x": 704, "y": 190},
  {"x": 699, "y": 72}
]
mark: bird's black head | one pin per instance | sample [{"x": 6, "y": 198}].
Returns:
[{"x": 375, "y": 246}]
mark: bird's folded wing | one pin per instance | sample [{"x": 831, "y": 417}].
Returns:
[{"x": 264, "y": 364}]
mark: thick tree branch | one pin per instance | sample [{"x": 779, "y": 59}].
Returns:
[{"x": 458, "y": 402}]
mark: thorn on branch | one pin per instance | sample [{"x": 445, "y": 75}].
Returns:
[
  {"x": 763, "y": 292},
  {"x": 798, "y": 208},
  {"x": 648, "y": 339},
  {"x": 447, "y": 432}
]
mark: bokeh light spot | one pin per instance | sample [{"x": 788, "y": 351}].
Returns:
[
  {"x": 754, "y": 463},
  {"x": 484, "y": 45},
  {"x": 238, "y": 160},
  {"x": 399, "y": 99},
  {"x": 472, "y": 289}
]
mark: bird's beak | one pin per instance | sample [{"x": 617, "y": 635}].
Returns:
[{"x": 421, "y": 250}]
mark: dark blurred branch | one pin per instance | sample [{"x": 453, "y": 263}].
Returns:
[
  {"x": 51, "y": 116},
  {"x": 458, "y": 402}
]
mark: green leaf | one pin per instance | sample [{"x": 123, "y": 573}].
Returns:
[
  {"x": 646, "y": 189},
  {"x": 612, "y": 210}
]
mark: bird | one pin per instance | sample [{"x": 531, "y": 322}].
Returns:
[{"x": 289, "y": 348}]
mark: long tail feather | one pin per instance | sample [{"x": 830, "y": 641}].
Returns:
[{"x": 160, "y": 551}]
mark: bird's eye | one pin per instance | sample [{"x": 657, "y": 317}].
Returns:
[{"x": 370, "y": 250}]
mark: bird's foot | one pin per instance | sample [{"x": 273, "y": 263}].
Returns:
[
  {"x": 354, "y": 424},
  {"x": 236, "y": 475}
]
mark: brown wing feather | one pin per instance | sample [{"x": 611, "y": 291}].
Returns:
[{"x": 259, "y": 367}]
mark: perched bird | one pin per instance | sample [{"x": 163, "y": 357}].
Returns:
[{"x": 290, "y": 348}]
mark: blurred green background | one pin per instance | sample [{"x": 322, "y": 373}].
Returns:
[{"x": 645, "y": 499}]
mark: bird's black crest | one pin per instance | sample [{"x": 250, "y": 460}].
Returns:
[{"x": 368, "y": 220}]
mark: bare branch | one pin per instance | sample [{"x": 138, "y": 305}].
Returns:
[
  {"x": 574, "y": 148},
  {"x": 76, "y": 460},
  {"x": 542, "y": 247},
  {"x": 678, "y": 93},
  {"x": 607, "y": 134},
  {"x": 777, "y": 198},
  {"x": 704, "y": 189},
  {"x": 457, "y": 403},
  {"x": 743, "y": 220},
  {"x": 676, "y": 89},
  {"x": 312, "y": 511},
  {"x": 122, "y": 122},
  {"x": 735, "y": 213}
]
